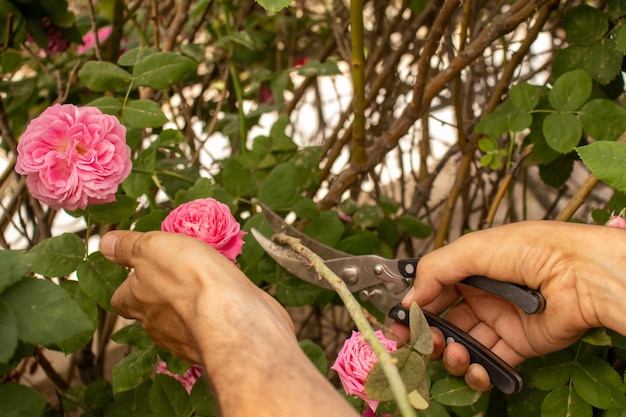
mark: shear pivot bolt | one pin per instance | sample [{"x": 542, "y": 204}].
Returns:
[{"x": 350, "y": 275}]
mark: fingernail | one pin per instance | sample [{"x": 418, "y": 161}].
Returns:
[
  {"x": 107, "y": 246},
  {"x": 408, "y": 298}
]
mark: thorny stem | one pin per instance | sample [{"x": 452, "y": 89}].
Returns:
[{"x": 360, "y": 320}]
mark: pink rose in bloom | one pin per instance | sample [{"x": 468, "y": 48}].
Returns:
[
  {"x": 73, "y": 156},
  {"x": 89, "y": 39},
  {"x": 188, "y": 379},
  {"x": 210, "y": 221},
  {"x": 617, "y": 221},
  {"x": 355, "y": 361}
]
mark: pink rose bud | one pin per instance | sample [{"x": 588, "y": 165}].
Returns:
[
  {"x": 617, "y": 221},
  {"x": 210, "y": 221},
  {"x": 187, "y": 380},
  {"x": 73, "y": 157},
  {"x": 355, "y": 361}
]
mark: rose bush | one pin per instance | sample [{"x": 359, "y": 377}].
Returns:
[
  {"x": 210, "y": 221},
  {"x": 354, "y": 362},
  {"x": 73, "y": 156}
]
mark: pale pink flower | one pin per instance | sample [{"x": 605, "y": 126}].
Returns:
[
  {"x": 188, "y": 379},
  {"x": 73, "y": 156},
  {"x": 89, "y": 39},
  {"x": 617, "y": 221},
  {"x": 354, "y": 362},
  {"x": 210, "y": 221}
]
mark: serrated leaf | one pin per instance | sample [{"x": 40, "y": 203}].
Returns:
[
  {"x": 203, "y": 188},
  {"x": 20, "y": 401},
  {"x": 133, "y": 56},
  {"x": 549, "y": 371},
  {"x": 132, "y": 403},
  {"x": 571, "y": 90},
  {"x": 280, "y": 188},
  {"x": 603, "y": 119},
  {"x": 14, "y": 265},
  {"x": 274, "y": 5},
  {"x": 453, "y": 391},
  {"x": 169, "y": 398},
  {"x": 368, "y": 216},
  {"x": 606, "y": 161},
  {"x": 585, "y": 24},
  {"x": 414, "y": 227},
  {"x": 163, "y": 69},
  {"x": 114, "y": 212},
  {"x": 235, "y": 178},
  {"x": 89, "y": 307},
  {"x": 104, "y": 76},
  {"x": 292, "y": 291},
  {"x": 565, "y": 402},
  {"x": 326, "y": 228},
  {"x": 143, "y": 113},
  {"x": 316, "y": 68},
  {"x": 598, "y": 383},
  {"x": 562, "y": 131},
  {"x": 57, "y": 256},
  {"x": 99, "y": 278},
  {"x": 107, "y": 105},
  {"x": 601, "y": 60},
  {"x": 524, "y": 96},
  {"x": 133, "y": 335},
  {"x": 412, "y": 370},
  {"x": 44, "y": 312},
  {"x": 421, "y": 337},
  {"x": 134, "y": 369}
]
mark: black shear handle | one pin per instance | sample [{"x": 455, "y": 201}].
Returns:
[
  {"x": 502, "y": 376},
  {"x": 529, "y": 300}
]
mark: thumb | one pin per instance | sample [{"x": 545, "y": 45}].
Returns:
[{"x": 119, "y": 246}]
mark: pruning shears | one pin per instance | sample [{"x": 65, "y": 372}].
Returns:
[{"x": 382, "y": 282}]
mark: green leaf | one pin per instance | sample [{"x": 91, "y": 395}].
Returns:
[
  {"x": 89, "y": 307},
  {"x": 315, "y": 354},
  {"x": 557, "y": 172},
  {"x": 235, "y": 178},
  {"x": 598, "y": 383},
  {"x": 601, "y": 60},
  {"x": 434, "y": 410},
  {"x": 104, "y": 76},
  {"x": 571, "y": 90},
  {"x": 163, "y": 69},
  {"x": 169, "y": 398},
  {"x": 143, "y": 113},
  {"x": 280, "y": 189},
  {"x": 132, "y": 403},
  {"x": 45, "y": 313},
  {"x": 620, "y": 40},
  {"x": 107, "y": 105},
  {"x": 603, "y": 119},
  {"x": 414, "y": 227},
  {"x": 326, "y": 228},
  {"x": 362, "y": 243},
  {"x": 316, "y": 68},
  {"x": 368, "y": 216},
  {"x": 57, "y": 256},
  {"x": 274, "y": 5},
  {"x": 412, "y": 370},
  {"x": 20, "y": 401},
  {"x": 99, "y": 278},
  {"x": 133, "y": 56},
  {"x": 549, "y": 371},
  {"x": 524, "y": 96},
  {"x": 562, "y": 131},
  {"x": 565, "y": 402},
  {"x": 202, "y": 401},
  {"x": 421, "y": 337},
  {"x": 585, "y": 24},
  {"x": 606, "y": 161},
  {"x": 292, "y": 291},
  {"x": 14, "y": 265},
  {"x": 8, "y": 332},
  {"x": 203, "y": 188},
  {"x": 134, "y": 369},
  {"x": 115, "y": 212},
  {"x": 133, "y": 335},
  {"x": 453, "y": 391}
]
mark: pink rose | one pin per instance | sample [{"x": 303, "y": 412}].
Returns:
[
  {"x": 368, "y": 412},
  {"x": 73, "y": 157},
  {"x": 89, "y": 39},
  {"x": 355, "y": 361},
  {"x": 210, "y": 221},
  {"x": 617, "y": 221},
  {"x": 188, "y": 379}
]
